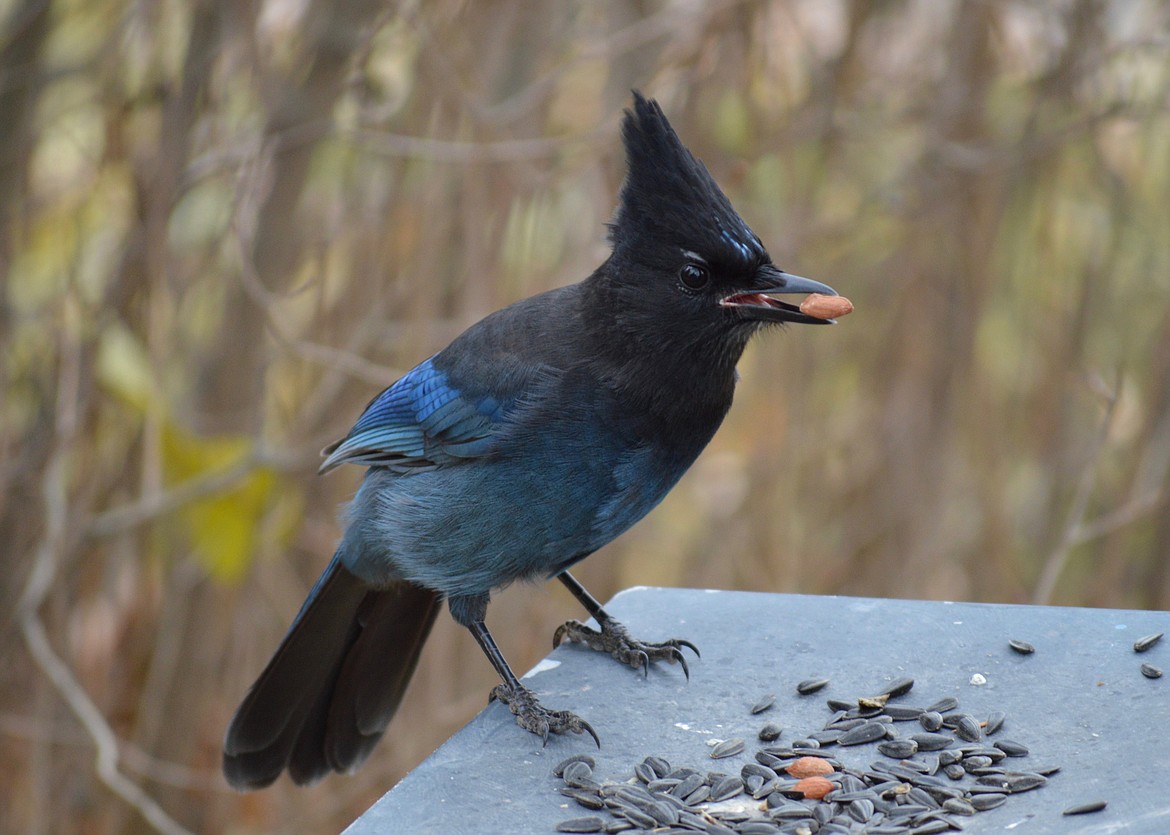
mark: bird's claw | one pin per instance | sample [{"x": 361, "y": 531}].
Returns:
[
  {"x": 615, "y": 639},
  {"x": 535, "y": 718}
]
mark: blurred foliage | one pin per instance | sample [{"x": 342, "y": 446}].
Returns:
[{"x": 226, "y": 225}]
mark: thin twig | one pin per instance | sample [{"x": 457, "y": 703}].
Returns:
[
  {"x": 1119, "y": 517},
  {"x": 335, "y": 358},
  {"x": 151, "y": 507},
  {"x": 1058, "y": 558},
  {"x": 25, "y": 727},
  {"x": 96, "y": 726}
]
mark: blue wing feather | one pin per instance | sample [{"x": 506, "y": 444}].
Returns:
[{"x": 420, "y": 422}]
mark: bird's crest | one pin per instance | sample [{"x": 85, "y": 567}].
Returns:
[{"x": 669, "y": 198}]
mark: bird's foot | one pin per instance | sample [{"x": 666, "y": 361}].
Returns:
[
  {"x": 535, "y": 718},
  {"x": 617, "y": 641}
]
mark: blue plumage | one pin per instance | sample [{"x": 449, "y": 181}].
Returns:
[
  {"x": 420, "y": 422},
  {"x": 536, "y": 437}
]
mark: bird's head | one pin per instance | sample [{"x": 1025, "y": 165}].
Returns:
[{"x": 680, "y": 247}]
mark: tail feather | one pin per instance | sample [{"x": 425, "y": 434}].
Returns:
[
  {"x": 350, "y": 646},
  {"x": 368, "y": 689}
]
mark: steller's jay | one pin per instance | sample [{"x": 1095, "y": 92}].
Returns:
[{"x": 536, "y": 437}]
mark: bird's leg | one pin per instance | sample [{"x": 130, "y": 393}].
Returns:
[
  {"x": 614, "y": 638},
  {"x": 530, "y": 714}
]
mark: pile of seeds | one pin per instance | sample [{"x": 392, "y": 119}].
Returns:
[{"x": 936, "y": 766}]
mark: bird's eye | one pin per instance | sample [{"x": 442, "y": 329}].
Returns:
[{"x": 694, "y": 277}]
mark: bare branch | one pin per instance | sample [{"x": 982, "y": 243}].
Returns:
[{"x": 46, "y": 561}]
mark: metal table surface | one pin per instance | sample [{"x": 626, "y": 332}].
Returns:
[{"x": 1080, "y": 702}]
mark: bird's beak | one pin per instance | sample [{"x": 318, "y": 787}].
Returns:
[{"x": 757, "y": 303}]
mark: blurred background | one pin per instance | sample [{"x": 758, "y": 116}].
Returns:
[{"x": 225, "y": 225}]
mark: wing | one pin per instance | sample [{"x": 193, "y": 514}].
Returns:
[{"x": 420, "y": 422}]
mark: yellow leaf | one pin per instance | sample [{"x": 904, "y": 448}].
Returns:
[{"x": 224, "y": 527}]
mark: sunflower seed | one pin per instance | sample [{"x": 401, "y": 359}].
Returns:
[
  {"x": 619, "y": 825},
  {"x": 665, "y": 814},
  {"x": 644, "y": 772},
  {"x": 899, "y": 713},
  {"x": 1143, "y": 644},
  {"x": 869, "y": 732},
  {"x": 811, "y": 685},
  {"x": 757, "y": 770},
  {"x": 580, "y": 776},
  {"x": 727, "y": 748},
  {"x": 899, "y": 749},
  {"x": 945, "y": 757},
  {"x": 995, "y": 754},
  {"x": 559, "y": 768},
  {"x": 766, "y": 788},
  {"x": 823, "y": 738},
  {"x": 770, "y": 732},
  {"x": 972, "y": 764},
  {"x": 758, "y": 828},
  {"x": 1012, "y": 748},
  {"x": 988, "y": 800},
  {"x": 932, "y": 742},
  {"x": 687, "y": 786},
  {"x": 958, "y": 806},
  {"x": 1150, "y": 671},
  {"x": 661, "y": 767},
  {"x": 861, "y": 810},
  {"x": 968, "y": 728},
  {"x": 637, "y": 816},
  {"x": 1022, "y": 647},
  {"x": 994, "y": 722},
  {"x": 907, "y": 810},
  {"x": 589, "y": 823},
  {"x": 789, "y": 811},
  {"x": 955, "y": 771},
  {"x": 770, "y": 760},
  {"x": 663, "y": 785},
  {"x": 725, "y": 788},
  {"x": 1024, "y": 781},
  {"x": 1086, "y": 808},
  {"x": 764, "y": 703},
  {"x": 776, "y": 799},
  {"x": 900, "y": 687},
  {"x": 944, "y": 705},
  {"x": 930, "y": 720},
  {"x": 587, "y": 799}
]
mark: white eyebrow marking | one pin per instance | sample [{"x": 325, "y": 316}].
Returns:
[{"x": 694, "y": 256}]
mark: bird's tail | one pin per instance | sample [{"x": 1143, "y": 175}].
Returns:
[{"x": 334, "y": 683}]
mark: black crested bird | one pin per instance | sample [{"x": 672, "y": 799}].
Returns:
[{"x": 535, "y": 438}]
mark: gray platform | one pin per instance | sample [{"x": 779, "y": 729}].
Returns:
[{"x": 1079, "y": 702}]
